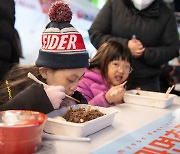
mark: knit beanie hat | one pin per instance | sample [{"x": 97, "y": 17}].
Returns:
[{"x": 62, "y": 45}]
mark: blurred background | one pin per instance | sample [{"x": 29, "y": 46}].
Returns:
[{"x": 31, "y": 19}]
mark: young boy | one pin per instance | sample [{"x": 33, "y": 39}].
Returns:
[{"x": 60, "y": 64}]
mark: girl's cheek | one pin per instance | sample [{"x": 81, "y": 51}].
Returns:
[{"x": 125, "y": 76}]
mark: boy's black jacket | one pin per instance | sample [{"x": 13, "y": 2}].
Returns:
[{"x": 34, "y": 98}]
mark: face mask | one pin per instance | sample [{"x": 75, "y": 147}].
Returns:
[{"x": 142, "y": 4}]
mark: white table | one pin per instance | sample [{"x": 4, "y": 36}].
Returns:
[{"x": 129, "y": 118}]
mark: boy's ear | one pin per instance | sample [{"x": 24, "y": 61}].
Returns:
[{"x": 43, "y": 71}]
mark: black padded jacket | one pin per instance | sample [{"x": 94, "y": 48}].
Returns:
[
  {"x": 155, "y": 27},
  {"x": 34, "y": 98}
]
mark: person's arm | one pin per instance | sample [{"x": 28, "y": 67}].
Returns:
[
  {"x": 105, "y": 98},
  {"x": 169, "y": 49},
  {"x": 32, "y": 98},
  {"x": 94, "y": 93},
  {"x": 100, "y": 30},
  {"x": 99, "y": 100}
]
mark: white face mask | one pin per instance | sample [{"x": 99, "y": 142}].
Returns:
[{"x": 142, "y": 4}]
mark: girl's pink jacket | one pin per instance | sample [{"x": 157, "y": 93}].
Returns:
[{"x": 93, "y": 88}]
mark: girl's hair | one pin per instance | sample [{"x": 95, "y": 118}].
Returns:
[
  {"x": 108, "y": 52},
  {"x": 17, "y": 81}
]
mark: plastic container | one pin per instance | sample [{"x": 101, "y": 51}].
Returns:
[
  {"x": 148, "y": 98},
  {"x": 60, "y": 127},
  {"x": 21, "y": 131},
  {"x": 177, "y": 87}
]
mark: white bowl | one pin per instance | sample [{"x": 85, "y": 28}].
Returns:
[
  {"x": 60, "y": 127},
  {"x": 148, "y": 98}
]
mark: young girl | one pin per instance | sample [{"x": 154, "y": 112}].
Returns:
[
  {"x": 58, "y": 65},
  {"x": 109, "y": 68}
]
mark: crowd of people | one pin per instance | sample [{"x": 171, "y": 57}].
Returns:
[{"x": 133, "y": 40}]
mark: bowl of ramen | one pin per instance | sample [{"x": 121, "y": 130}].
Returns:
[
  {"x": 148, "y": 98},
  {"x": 21, "y": 131},
  {"x": 79, "y": 120}
]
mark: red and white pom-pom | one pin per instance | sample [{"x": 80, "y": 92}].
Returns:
[{"x": 60, "y": 12}]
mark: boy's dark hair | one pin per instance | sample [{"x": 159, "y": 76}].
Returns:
[
  {"x": 107, "y": 52},
  {"x": 17, "y": 81}
]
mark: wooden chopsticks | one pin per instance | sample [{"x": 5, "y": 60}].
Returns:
[
  {"x": 115, "y": 92},
  {"x": 168, "y": 91},
  {"x": 73, "y": 98}
]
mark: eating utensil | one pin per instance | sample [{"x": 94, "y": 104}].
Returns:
[
  {"x": 116, "y": 91},
  {"x": 65, "y": 138},
  {"x": 31, "y": 76},
  {"x": 168, "y": 91}
]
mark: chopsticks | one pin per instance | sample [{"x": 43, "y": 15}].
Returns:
[
  {"x": 31, "y": 76},
  {"x": 73, "y": 98},
  {"x": 66, "y": 138},
  {"x": 116, "y": 91},
  {"x": 168, "y": 91}
]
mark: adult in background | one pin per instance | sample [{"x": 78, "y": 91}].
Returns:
[
  {"x": 147, "y": 28},
  {"x": 10, "y": 45},
  {"x": 177, "y": 5}
]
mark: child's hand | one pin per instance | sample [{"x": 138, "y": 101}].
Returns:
[
  {"x": 115, "y": 94},
  {"x": 56, "y": 94}
]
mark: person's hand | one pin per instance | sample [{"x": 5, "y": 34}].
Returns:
[
  {"x": 115, "y": 94},
  {"x": 136, "y": 48},
  {"x": 55, "y": 94}
]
